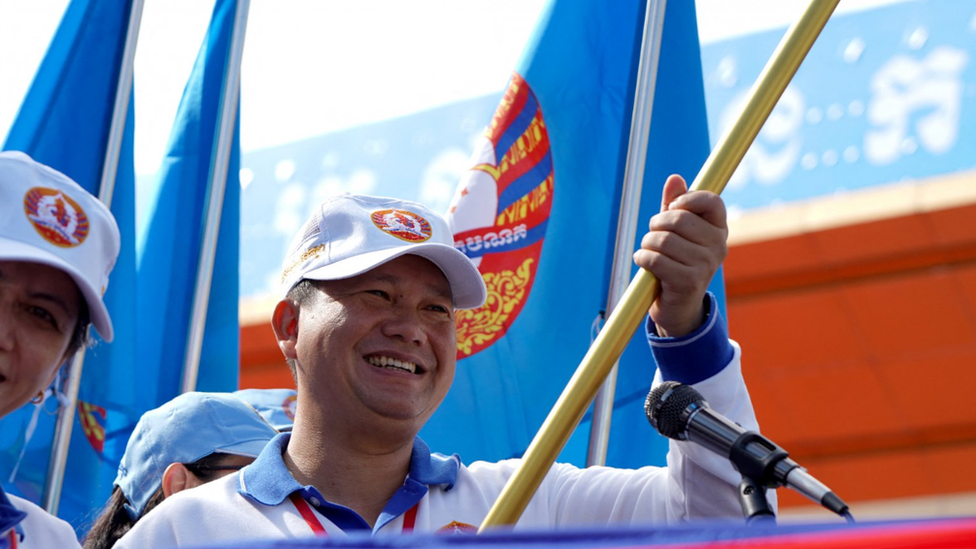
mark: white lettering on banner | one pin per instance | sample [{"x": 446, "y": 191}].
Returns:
[
  {"x": 506, "y": 235},
  {"x": 492, "y": 239},
  {"x": 915, "y": 98},
  {"x": 776, "y": 150},
  {"x": 474, "y": 243},
  {"x": 521, "y": 231}
]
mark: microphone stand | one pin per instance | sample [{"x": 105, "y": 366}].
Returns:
[
  {"x": 755, "y": 506},
  {"x": 757, "y": 475}
]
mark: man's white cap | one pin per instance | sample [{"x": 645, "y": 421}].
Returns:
[
  {"x": 348, "y": 235},
  {"x": 47, "y": 218}
]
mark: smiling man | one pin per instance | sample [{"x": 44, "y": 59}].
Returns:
[
  {"x": 367, "y": 325},
  {"x": 58, "y": 244}
]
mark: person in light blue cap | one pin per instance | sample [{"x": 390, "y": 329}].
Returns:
[
  {"x": 277, "y": 406},
  {"x": 189, "y": 441}
]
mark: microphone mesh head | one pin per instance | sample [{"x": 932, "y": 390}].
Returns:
[{"x": 666, "y": 406}]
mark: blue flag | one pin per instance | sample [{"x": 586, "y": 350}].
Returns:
[
  {"x": 678, "y": 143},
  {"x": 170, "y": 236},
  {"x": 538, "y": 212},
  {"x": 65, "y": 122}
]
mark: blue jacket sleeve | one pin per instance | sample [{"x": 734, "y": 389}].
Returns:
[{"x": 697, "y": 356}]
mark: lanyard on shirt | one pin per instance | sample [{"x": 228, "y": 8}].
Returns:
[
  {"x": 9, "y": 539},
  {"x": 409, "y": 518}
]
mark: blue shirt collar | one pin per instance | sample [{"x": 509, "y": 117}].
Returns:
[
  {"x": 268, "y": 481},
  {"x": 433, "y": 469},
  {"x": 10, "y": 516}
]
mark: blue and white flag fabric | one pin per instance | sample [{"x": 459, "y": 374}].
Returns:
[
  {"x": 538, "y": 210},
  {"x": 64, "y": 111},
  {"x": 170, "y": 234},
  {"x": 64, "y": 122}
]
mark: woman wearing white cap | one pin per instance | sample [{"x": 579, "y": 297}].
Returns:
[{"x": 58, "y": 244}]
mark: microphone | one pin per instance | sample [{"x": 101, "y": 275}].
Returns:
[{"x": 680, "y": 412}]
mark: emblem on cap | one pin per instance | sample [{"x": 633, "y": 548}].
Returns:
[
  {"x": 56, "y": 217},
  {"x": 402, "y": 224}
]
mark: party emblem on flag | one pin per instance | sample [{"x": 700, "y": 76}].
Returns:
[
  {"x": 58, "y": 218},
  {"x": 402, "y": 224},
  {"x": 92, "y": 420},
  {"x": 499, "y": 214}
]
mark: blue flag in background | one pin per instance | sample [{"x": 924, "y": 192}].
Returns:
[
  {"x": 170, "y": 233},
  {"x": 64, "y": 122},
  {"x": 538, "y": 212},
  {"x": 678, "y": 143}
]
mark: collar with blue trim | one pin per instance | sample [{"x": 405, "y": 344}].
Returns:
[
  {"x": 10, "y": 516},
  {"x": 268, "y": 481}
]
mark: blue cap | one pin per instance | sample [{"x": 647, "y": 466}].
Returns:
[
  {"x": 276, "y": 406},
  {"x": 189, "y": 427}
]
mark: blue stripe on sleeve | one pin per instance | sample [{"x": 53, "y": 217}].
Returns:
[{"x": 697, "y": 356}]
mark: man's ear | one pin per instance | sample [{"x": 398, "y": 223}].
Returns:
[
  {"x": 176, "y": 478},
  {"x": 284, "y": 321}
]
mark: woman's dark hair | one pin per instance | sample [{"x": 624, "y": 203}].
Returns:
[
  {"x": 115, "y": 522},
  {"x": 207, "y": 469},
  {"x": 79, "y": 337}
]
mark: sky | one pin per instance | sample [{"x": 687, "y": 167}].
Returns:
[{"x": 311, "y": 67}]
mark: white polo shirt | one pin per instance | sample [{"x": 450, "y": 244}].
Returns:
[
  {"x": 449, "y": 497},
  {"x": 41, "y": 530}
]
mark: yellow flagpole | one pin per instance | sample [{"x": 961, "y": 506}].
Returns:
[{"x": 637, "y": 299}]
